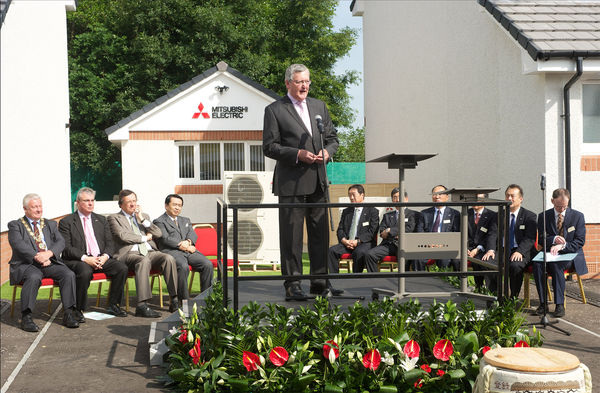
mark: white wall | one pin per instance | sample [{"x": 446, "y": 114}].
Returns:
[
  {"x": 34, "y": 108},
  {"x": 442, "y": 77},
  {"x": 149, "y": 171}
]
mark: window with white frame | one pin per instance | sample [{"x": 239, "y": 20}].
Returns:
[
  {"x": 205, "y": 161},
  {"x": 591, "y": 113}
]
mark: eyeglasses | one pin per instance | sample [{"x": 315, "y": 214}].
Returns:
[{"x": 298, "y": 83}]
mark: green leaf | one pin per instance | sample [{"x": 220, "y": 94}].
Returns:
[
  {"x": 457, "y": 374},
  {"x": 467, "y": 344}
]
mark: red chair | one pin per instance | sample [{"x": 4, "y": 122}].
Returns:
[
  {"x": 98, "y": 278},
  {"x": 207, "y": 245},
  {"x": 346, "y": 262}
]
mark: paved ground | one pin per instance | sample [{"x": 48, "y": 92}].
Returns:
[{"x": 113, "y": 355}]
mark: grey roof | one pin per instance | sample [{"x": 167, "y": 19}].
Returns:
[
  {"x": 4, "y": 4},
  {"x": 550, "y": 29},
  {"x": 221, "y": 66}
]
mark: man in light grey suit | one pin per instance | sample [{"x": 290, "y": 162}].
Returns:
[
  {"x": 291, "y": 137},
  {"x": 133, "y": 235},
  {"x": 178, "y": 239}
]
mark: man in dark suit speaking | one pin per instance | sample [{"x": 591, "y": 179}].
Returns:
[
  {"x": 291, "y": 137},
  {"x": 565, "y": 233}
]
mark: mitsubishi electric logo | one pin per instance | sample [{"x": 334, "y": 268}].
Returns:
[
  {"x": 222, "y": 112},
  {"x": 201, "y": 112}
]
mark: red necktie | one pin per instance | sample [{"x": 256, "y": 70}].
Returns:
[{"x": 477, "y": 215}]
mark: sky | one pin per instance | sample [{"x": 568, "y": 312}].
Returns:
[{"x": 354, "y": 60}]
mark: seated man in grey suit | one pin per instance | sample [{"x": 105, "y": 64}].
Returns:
[
  {"x": 178, "y": 239},
  {"x": 441, "y": 219},
  {"x": 36, "y": 246},
  {"x": 133, "y": 234},
  {"x": 356, "y": 233},
  {"x": 89, "y": 249},
  {"x": 388, "y": 230}
]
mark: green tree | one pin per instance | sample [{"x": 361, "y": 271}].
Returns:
[
  {"x": 125, "y": 54},
  {"x": 352, "y": 146}
]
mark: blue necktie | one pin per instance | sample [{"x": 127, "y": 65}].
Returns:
[
  {"x": 436, "y": 224},
  {"x": 511, "y": 231}
]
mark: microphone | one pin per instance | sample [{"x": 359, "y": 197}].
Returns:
[
  {"x": 319, "y": 120},
  {"x": 543, "y": 181}
]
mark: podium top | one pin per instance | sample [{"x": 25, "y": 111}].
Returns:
[{"x": 403, "y": 160}]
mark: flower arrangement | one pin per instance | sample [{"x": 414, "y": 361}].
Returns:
[{"x": 382, "y": 347}]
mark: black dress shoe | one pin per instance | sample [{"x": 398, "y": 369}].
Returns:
[
  {"x": 317, "y": 290},
  {"x": 115, "y": 310},
  {"x": 559, "y": 311},
  {"x": 28, "y": 325},
  {"x": 78, "y": 315},
  {"x": 174, "y": 306},
  {"x": 146, "y": 312},
  {"x": 69, "y": 320},
  {"x": 335, "y": 291},
  {"x": 539, "y": 310},
  {"x": 294, "y": 292}
]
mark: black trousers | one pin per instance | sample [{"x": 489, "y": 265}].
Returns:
[
  {"x": 516, "y": 271},
  {"x": 291, "y": 235},
  {"x": 489, "y": 281},
  {"x": 32, "y": 280},
  {"x": 113, "y": 268},
  {"x": 199, "y": 263},
  {"x": 335, "y": 252},
  {"x": 373, "y": 257}
]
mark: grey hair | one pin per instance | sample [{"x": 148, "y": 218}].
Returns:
[
  {"x": 30, "y": 197},
  {"x": 294, "y": 68},
  {"x": 85, "y": 190}
]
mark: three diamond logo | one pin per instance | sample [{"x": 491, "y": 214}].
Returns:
[{"x": 201, "y": 112}]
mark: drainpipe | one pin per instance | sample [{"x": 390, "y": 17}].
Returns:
[{"x": 567, "y": 117}]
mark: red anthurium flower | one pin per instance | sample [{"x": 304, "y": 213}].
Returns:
[
  {"x": 183, "y": 337},
  {"x": 419, "y": 383},
  {"x": 195, "y": 352},
  {"x": 329, "y": 345},
  {"x": 485, "y": 349},
  {"x": 279, "y": 356},
  {"x": 443, "y": 349},
  {"x": 426, "y": 368},
  {"x": 412, "y": 349},
  {"x": 521, "y": 344},
  {"x": 440, "y": 372},
  {"x": 250, "y": 360},
  {"x": 372, "y": 359}
]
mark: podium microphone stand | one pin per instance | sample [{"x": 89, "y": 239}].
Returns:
[{"x": 544, "y": 321}]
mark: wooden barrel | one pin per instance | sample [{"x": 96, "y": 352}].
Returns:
[{"x": 505, "y": 370}]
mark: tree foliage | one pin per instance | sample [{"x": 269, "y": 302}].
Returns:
[
  {"x": 125, "y": 54},
  {"x": 352, "y": 146}
]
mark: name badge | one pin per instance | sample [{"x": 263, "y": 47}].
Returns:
[
  {"x": 406, "y": 220},
  {"x": 571, "y": 229},
  {"x": 522, "y": 227},
  {"x": 446, "y": 221},
  {"x": 366, "y": 223},
  {"x": 484, "y": 230},
  {"x": 187, "y": 225}
]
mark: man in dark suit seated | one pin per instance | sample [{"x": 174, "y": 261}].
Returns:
[
  {"x": 388, "y": 230},
  {"x": 178, "y": 240},
  {"x": 133, "y": 235},
  {"x": 565, "y": 233},
  {"x": 36, "y": 245},
  {"x": 88, "y": 250},
  {"x": 441, "y": 219},
  {"x": 356, "y": 233},
  {"x": 522, "y": 233},
  {"x": 483, "y": 235},
  {"x": 291, "y": 137}
]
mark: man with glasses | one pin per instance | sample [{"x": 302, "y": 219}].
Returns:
[
  {"x": 89, "y": 249},
  {"x": 291, "y": 131}
]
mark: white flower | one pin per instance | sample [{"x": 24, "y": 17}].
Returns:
[
  {"x": 173, "y": 330},
  {"x": 409, "y": 363},
  {"x": 474, "y": 357},
  {"x": 388, "y": 359}
]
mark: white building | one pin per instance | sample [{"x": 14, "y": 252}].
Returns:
[
  {"x": 34, "y": 119},
  {"x": 184, "y": 141},
  {"x": 482, "y": 85}
]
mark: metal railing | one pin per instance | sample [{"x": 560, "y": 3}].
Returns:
[{"x": 223, "y": 257}]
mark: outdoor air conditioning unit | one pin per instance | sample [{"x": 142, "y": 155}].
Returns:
[{"x": 258, "y": 229}]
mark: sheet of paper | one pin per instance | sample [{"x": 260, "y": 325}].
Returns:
[
  {"x": 554, "y": 258},
  {"x": 97, "y": 316}
]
